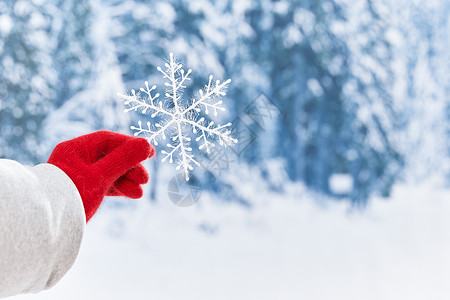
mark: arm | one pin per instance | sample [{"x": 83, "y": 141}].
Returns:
[
  {"x": 44, "y": 209},
  {"x": 42, "y": 222}
]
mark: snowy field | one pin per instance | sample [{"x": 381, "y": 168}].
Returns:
[{"x": 287, "y": 246}]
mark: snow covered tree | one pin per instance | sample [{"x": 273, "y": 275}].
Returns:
[
  {"x": 141, "y": 40},
  {"x": 74, "y": 53},
  {"x": 328, "y": 64},
  {"x": 420, "y": 38},
  {"x": 333, "y": 88},
  {"x": 361, "y": 85},
  {"x": 373, "y": 156},
  {"x": 94, "y": 105},
  {"x": 46, "y": 59},
  {"x": 29, "y": 78}
]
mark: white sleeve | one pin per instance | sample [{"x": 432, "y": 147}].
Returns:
[{"x": 42, "y": 221}]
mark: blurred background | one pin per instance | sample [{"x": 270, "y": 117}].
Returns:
[{"x": 339, "y": 186}]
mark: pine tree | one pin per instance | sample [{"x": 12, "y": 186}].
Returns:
[
  {"x": 94, "y": 105},
  {"x": 329, "y": 71},
  {"x": 47, "y": 58},
  {"x": 420, "y": 37},
  {"x": 74, "y": 53},
  {"x": 28, "y": 77}
]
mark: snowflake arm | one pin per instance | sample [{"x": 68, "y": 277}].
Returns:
[
  {"x": 220, "y": 131},
  {"x": 153, "y": 135},
  {"x": 135, "y": 102},
  {"x": 210, "y": 93}
]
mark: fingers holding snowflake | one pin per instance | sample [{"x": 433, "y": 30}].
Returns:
[
  {"x": 137, "y": 174},
  {"x": 128, "y": 185},
  {"x": 125, "y": 157},
  {"x": 126, "y": 188}
]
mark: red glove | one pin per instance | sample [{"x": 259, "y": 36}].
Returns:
[{"x": 102, "y": 164}]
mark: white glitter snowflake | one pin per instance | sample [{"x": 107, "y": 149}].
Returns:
[{"x": 181, "y": 116}]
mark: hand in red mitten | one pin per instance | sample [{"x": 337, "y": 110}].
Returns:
[{"x": 103, "y": 164}]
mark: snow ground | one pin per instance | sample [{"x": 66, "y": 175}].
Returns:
[{"x": 288, "y": 246}]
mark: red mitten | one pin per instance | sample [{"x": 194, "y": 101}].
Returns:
[{"x": 102, "y": 164}]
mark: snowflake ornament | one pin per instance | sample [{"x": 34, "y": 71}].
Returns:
[{"x": 181, "y": 116}]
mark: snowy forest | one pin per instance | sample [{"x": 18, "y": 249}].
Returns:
[
  {"x": 330, "y": 100},
  {"x": 360, "y": 94}
]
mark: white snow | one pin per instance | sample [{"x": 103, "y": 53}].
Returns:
[
  {"x": 5, "y": 24},
  {"x": 285, "y": 247},
  {"x": 315, "y": 87},
  {"x": 167, "y": 11},
  {"x": 340, "y": 183}
]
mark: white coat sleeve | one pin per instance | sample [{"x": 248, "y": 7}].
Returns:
[{"x": 42, "y": 221}]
